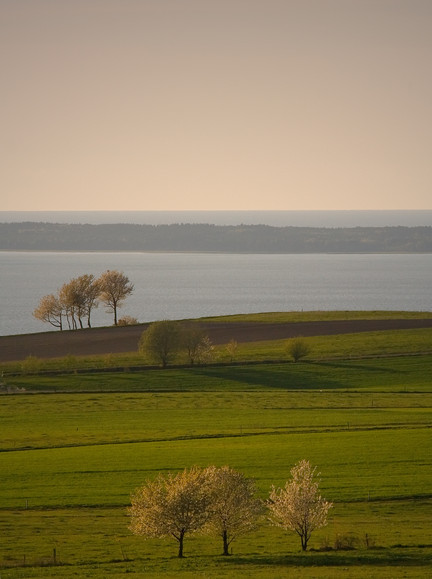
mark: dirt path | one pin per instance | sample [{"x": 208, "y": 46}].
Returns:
[{"x": 125, "y": 339}]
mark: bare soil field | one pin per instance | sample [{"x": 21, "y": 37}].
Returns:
[{"x": 125, "y": 339}]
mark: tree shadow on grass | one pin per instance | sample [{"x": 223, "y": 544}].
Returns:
[
  {"x": 376, "y": 557},
  {"x": 272, "y": 377},
  {"x": 301, "y": 376},
  {"x": 350, "y": 366}
]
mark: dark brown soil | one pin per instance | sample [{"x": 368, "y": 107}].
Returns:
[{"x": 125, "y": 339}]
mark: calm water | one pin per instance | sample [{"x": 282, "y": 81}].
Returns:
[{"x": 176, "y": 286}]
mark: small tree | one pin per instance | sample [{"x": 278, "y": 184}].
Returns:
[
  {"x": 298, "y": 348},
  {"x": 299, "y": 507},
  {"x": 171, "y": 506},
  {"x": 78, "y": 297},
  {"x": 31, "y": 365},
  {"x": 127, "y": 321},
  {"x": 161, "y": 341},
  {"x": 198, "y": 345},
  {"x": 50, "y": 310},
  {"x": 234, "y": 508},
  {"x": 74, "y": 302},
  {"x": 231, "y": 349},
  {"x": 89, "y": 287},
  {"x": 115, "y": 287}
]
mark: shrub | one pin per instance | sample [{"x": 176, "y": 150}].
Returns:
[
  {"x": 127, "y": 321},
  {"x": 298, "y": 348},
  {"x": 31, "y": 365},
  {"x": 345, "y": 542}
]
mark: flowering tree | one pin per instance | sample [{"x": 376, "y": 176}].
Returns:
[
  {"x": 299, "y": 507},
  {"x": 234, "y": 508},
  {"x": 171, "y": 506}
]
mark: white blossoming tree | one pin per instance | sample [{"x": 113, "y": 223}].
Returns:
[
  {"x": 298, "y": 506},
  {"x": 234, "y": 508},
  {"x": 171, "y": 506}
]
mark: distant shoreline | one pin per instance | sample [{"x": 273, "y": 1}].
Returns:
[
  {"x": 206, "y": 238},
  {"x": 156, "y": 252},
  {"x": 297, "y": 218}
]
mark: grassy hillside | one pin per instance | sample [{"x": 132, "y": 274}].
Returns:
[
  {"x": 327, "y": 347},
  {"x": 70, "y": 457},
  {"x": 320, "y": 316}
]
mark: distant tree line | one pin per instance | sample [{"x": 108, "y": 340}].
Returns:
[
  {"x": 222, "y": 502},
  {"x": 210, "y": 238},
  {"x": 162, "y": 341},
  {"x": 74, "y": 302}
]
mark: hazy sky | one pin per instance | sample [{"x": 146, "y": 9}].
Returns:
[{"x": 215, "y": 104}]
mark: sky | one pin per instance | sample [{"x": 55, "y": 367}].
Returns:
[{"x": 215, "y": 105}]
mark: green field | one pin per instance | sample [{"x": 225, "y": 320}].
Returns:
[{"x": 74, "y": 447}]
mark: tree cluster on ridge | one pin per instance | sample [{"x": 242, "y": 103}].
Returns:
[{"x": 76, "y": 299}]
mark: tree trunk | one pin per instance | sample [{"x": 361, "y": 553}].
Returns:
[
  {"x": 225, "y": 543},
  {"x": 180, "y": 540},
  {"x": 304, "y": 543}
]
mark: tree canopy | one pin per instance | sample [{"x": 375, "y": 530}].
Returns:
[
  {"x": 162, "y": 341},
  {"x": 171, "y": 506},
  {"x": 234, "y": 508},
  {"x": 298, "y": 506},
  {"x": 114, "y": 289}
]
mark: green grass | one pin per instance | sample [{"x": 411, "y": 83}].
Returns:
[
  {"x": 72, "y": 419},
  {"x": 356, "y": 464},
  {"x": 401, "y": 373},
  {"x": 70, "y": 457},
  {"x": 292, "y": 317},
  {"x": 367, "y": 344},
  {"x": 94, "y": 543}
]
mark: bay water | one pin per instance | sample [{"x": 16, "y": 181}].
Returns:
[{"x": 190, "y": 285}]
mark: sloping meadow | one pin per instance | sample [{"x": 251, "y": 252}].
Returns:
[{"x": 70, "y": 461}]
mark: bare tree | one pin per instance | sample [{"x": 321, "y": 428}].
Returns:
[
  {"x": 161, "y": 341},
  {"x": 234, "y": 508},
  {"x": 115, "y": 287},
  {"x": 50, "y": 310},
  {"x": 171, "y": 506},
  {"x": 299, "y": 507}
]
